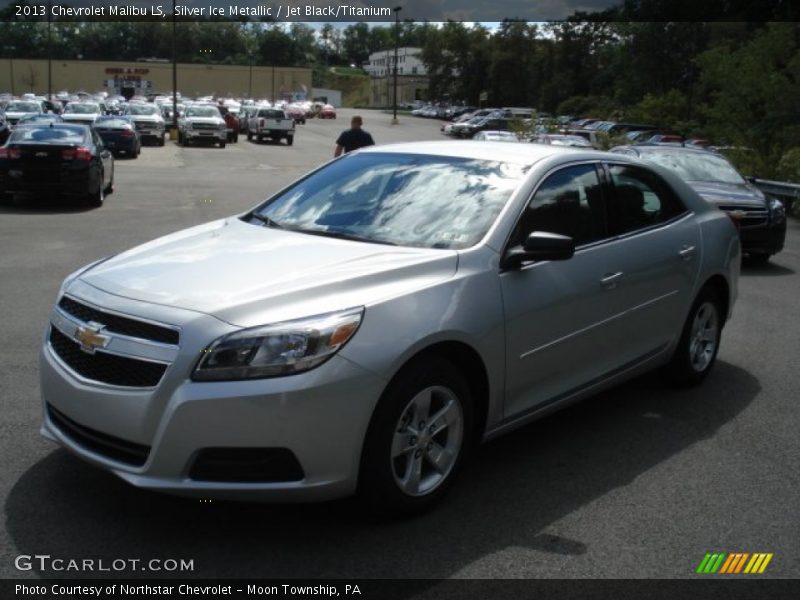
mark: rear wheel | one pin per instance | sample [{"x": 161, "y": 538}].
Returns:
[
  {"x": 417, "y": 438},
  {"x": 110, "y": 187},
  {"x": 697, "y": 349},
  {"x": 96, "y": 198},
  {"x": 757, "y": 259}
]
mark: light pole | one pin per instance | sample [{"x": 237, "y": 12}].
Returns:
[
  {"x": 174, "y": 73},
  {"x": 397, "y": 10},
  {"x": 11, "y": 50},
  {"x": 49, "y": 53},
  {"x": 272, "y": 90},
  {"x": 250, "y": 84}
]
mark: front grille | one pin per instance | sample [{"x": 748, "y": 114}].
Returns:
[
  {"x": 109, "y": 446},
  {"x": 208, "y": 126},
  {"x": 104, "y": 367},
  {"x": 753, "y": 216},
  {"x": 117, "y": 324},
  {"x": 246, "y": 465}
]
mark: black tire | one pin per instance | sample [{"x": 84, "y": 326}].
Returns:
[
  {"x": 236, "y": 138},
  {"x": 222, "y": 144},
  {"x": 109, "y": 189},
  {"x": 162, "y": 140},
  {"x": 756, "y": 259},
  {"x": 290, "y": 140},
  {"x": 691, "y": 362},
  {"x": 249, "y": 136},
  {"x": 96, "y": 199},
  {"x": 379, "y": 485},
  {"x": 259, "y": 139}
]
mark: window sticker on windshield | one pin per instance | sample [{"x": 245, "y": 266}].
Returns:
[{"x": 451, "y": 236}]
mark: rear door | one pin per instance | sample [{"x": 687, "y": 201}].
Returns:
[{"x": 657, "y": 271}]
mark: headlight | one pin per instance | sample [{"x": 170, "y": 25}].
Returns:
[
  {"x": 222, "y": 125},
  {"x": 777, "y": 210},
  {"x": 75, "y": 274},
  {"x": 279, "y": 349}
]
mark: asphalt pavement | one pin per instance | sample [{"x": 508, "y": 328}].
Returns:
[{"x": 638, "y": 482}]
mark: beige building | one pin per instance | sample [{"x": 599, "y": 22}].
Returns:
[
  {"x": 19, "y": 76},
  {"x": 409, "y": 89},
  {"x": 412, "y": 79}
]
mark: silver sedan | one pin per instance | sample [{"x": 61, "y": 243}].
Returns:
[{"x": 360, "y": 330}]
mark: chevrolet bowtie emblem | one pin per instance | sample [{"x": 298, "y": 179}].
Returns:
[{"x": 90, "y": 338}]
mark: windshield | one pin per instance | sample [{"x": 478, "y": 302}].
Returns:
[
  {"x": 696, "y": 166},
  {"x": 202, "y": 111},
  {"x": 402, "y": 199},
  {"x": 113, "y": 123},
  {"x": 49, "y": 135},
  {"x": 142, "y": 109},
  {"x": 272, "y": 114},
  {"x": 82, "y": 109},
  {"x": 23, "y": 107}
]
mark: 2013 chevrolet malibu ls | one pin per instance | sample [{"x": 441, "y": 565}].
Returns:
[{"x": 362, "y": 328}]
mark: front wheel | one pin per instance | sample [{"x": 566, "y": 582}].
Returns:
[
  {"x": 222, "y": 144},
  {"x": 290, "y": 140},
  {"x": 417, "y": 438},
  {"x": 697, "y": 349}
]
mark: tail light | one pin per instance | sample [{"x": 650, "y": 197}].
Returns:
[
  {"x": 126, "y": 133},
  {"x": 77, "y": 154},
  {"x": 261, "y": 123},
  {"x": 10, "y": 153}
]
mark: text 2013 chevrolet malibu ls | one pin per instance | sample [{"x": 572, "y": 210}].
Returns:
[{"x": 359, "y": 330}]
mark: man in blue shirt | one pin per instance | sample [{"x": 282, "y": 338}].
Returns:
[{"x": 353, "y": 138}]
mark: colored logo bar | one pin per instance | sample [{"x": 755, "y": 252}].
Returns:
[{"x": 734, "y": 563}]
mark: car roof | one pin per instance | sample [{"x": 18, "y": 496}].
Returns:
[
  {"x": 639, "y": 149},
  {"x": 524, "y": 154}
]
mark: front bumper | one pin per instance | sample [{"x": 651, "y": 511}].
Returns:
[
  {"x": 320, "y": 416},
  {"x": 766, "y": 239},
  {"x": 207, "y": 134}
]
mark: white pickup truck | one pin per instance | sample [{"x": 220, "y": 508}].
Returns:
[{"x": 272, "y": 123}]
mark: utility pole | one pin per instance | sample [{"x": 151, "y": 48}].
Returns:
[
  {"x": 174, "y": 72},
  {"x": 397, "y": 10}
]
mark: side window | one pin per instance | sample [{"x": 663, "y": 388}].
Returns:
[
  {"x": 642, "y": 199},
  {"x": 569, "y": 202}
]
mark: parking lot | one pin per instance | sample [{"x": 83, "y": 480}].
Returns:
[{"x": 640, "y": 481}]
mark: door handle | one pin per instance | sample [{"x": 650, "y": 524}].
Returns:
[
  {"x": 609, "y": 281},
  {"x": 686, "y": 252}
]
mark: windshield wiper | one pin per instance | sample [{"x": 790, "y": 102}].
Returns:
[
  {"x": 266, "y": 220},
  {"x": 341, "y": 235}
]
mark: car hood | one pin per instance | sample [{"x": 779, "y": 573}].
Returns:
[
  {"x": 146, "y": 118},
  {"x": 83, "y": 117},
  {"x": 729, "y": 194},
  {"x": 18, "y": 115},
  {"x": 212, "y": 120},
  {"x": 249, "y": 275}
]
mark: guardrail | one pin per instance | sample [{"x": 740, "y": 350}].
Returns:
[{"x": 788, "y": 193}]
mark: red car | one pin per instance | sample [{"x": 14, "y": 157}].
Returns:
[{"x": 327, "y": 112}]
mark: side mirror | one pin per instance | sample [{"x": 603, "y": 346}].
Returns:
[{"x": 540, "y": 245}]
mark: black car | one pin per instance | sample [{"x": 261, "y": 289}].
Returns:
[
  {"x": 57, "y": 159},
  {"x": 41, "y": 118},
  {"x": 119, "y": 135},
  {"x": 485, "y": 124},
  {"x": 4, "y": 128},
  {"x": 761, "y": 219}
]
